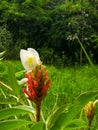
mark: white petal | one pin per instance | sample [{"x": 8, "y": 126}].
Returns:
[
  {"x": 24, "y": 54},
  {"x": 22, "y": 81},
  {"x": 35, "y": 53}
]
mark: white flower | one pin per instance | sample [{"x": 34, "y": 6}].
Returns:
[{"x": 29, "y": 58}]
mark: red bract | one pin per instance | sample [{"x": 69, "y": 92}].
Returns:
[
  {"x": 37, "y": 85},
  {"x": 45, "y": 88}
]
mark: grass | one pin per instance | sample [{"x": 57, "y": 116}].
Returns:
[{"x": 66, "y": 83}]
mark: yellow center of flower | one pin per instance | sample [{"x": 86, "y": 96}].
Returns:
[{"x": 30, "y": 61}]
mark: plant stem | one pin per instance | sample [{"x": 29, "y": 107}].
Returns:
[
  {"x": 89, "y": 124},
  {"x": 38, "y": 108},
  {"x": 88, "y": 127}
]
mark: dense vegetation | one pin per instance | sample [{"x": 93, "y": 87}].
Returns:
[
  {"x": 66, "y": 85},
  {"x": 51, "y": 27},
  {"x": 65, "y": 34}
]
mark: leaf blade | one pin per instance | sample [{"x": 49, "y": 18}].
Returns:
[
  {"x": 12, "y": 80},
  {"x": 65, "y": 117},
  {"x": 8, "y": 112},
  {"x": 13, "y": 124},
  {"x": 39, "y": 126}
]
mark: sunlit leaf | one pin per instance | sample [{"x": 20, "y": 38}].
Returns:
[
  {"x": 8, "y": 112},
  {"x": 20, "y": 73},
  {"x": 13, "y": 124},
  {"x": 12, "y": 80}
]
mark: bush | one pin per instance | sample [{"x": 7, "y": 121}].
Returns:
[{"x": 5, "y": 39}]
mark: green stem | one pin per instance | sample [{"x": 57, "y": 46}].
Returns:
[
  {"x": 85, "y": 52},
  {"x": 89, "y": 124}
]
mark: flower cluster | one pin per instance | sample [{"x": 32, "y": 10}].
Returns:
[
  {"x": 37, "y": 84},
  {"x": 37, "y": 77}
]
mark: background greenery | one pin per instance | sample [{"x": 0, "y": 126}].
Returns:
[{"x": 50, "y": 27}]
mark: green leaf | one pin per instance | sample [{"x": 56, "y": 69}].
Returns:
[
  {"x": 7, "y": 101},
  {"x": 5, "y": 113},
  {"x": 13, "y": 124},
  {"x": 27, "y": 108},
  {"x": 76, "y": 123},
  {"x": 12, "y": 80},
  {"x": 73, "y": 124},
  {"x": 20, "y": 73},
  {"x": 54, "y": 116},
  {"x": 39, "y": 126},
  {"x": 65, "y": 117}
]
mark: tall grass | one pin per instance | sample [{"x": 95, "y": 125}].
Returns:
[{"x": 67, "y": 84}]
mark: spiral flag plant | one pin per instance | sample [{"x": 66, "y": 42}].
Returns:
[{"x": 37, "y": 78}]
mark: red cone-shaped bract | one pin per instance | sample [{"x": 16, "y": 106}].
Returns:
[{"x": 37, "y": 84}]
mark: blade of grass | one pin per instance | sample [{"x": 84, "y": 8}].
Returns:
[
  {"x": 6, "y": 86},
  {"x": 87, "y": 56}
]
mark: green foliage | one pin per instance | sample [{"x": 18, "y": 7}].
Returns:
[
  {"x": 65, "y": 120},
  {"x": 62, "y": 112},
  {"x": 40, "y": 125},
  {"x": 47, "y": 55},
  {"x": 8, "y": 112},
  {"x": 5, "y": 39},
  {"x": 12, "y": 80},
  {"x": 13, "y": 124},
  {"x": 70, "y": 19},
  {"x": 51, "y": 24},
  {"x": 8, "y": 101}
]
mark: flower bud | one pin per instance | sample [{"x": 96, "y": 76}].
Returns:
[{"x": 90, "y": 110}]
